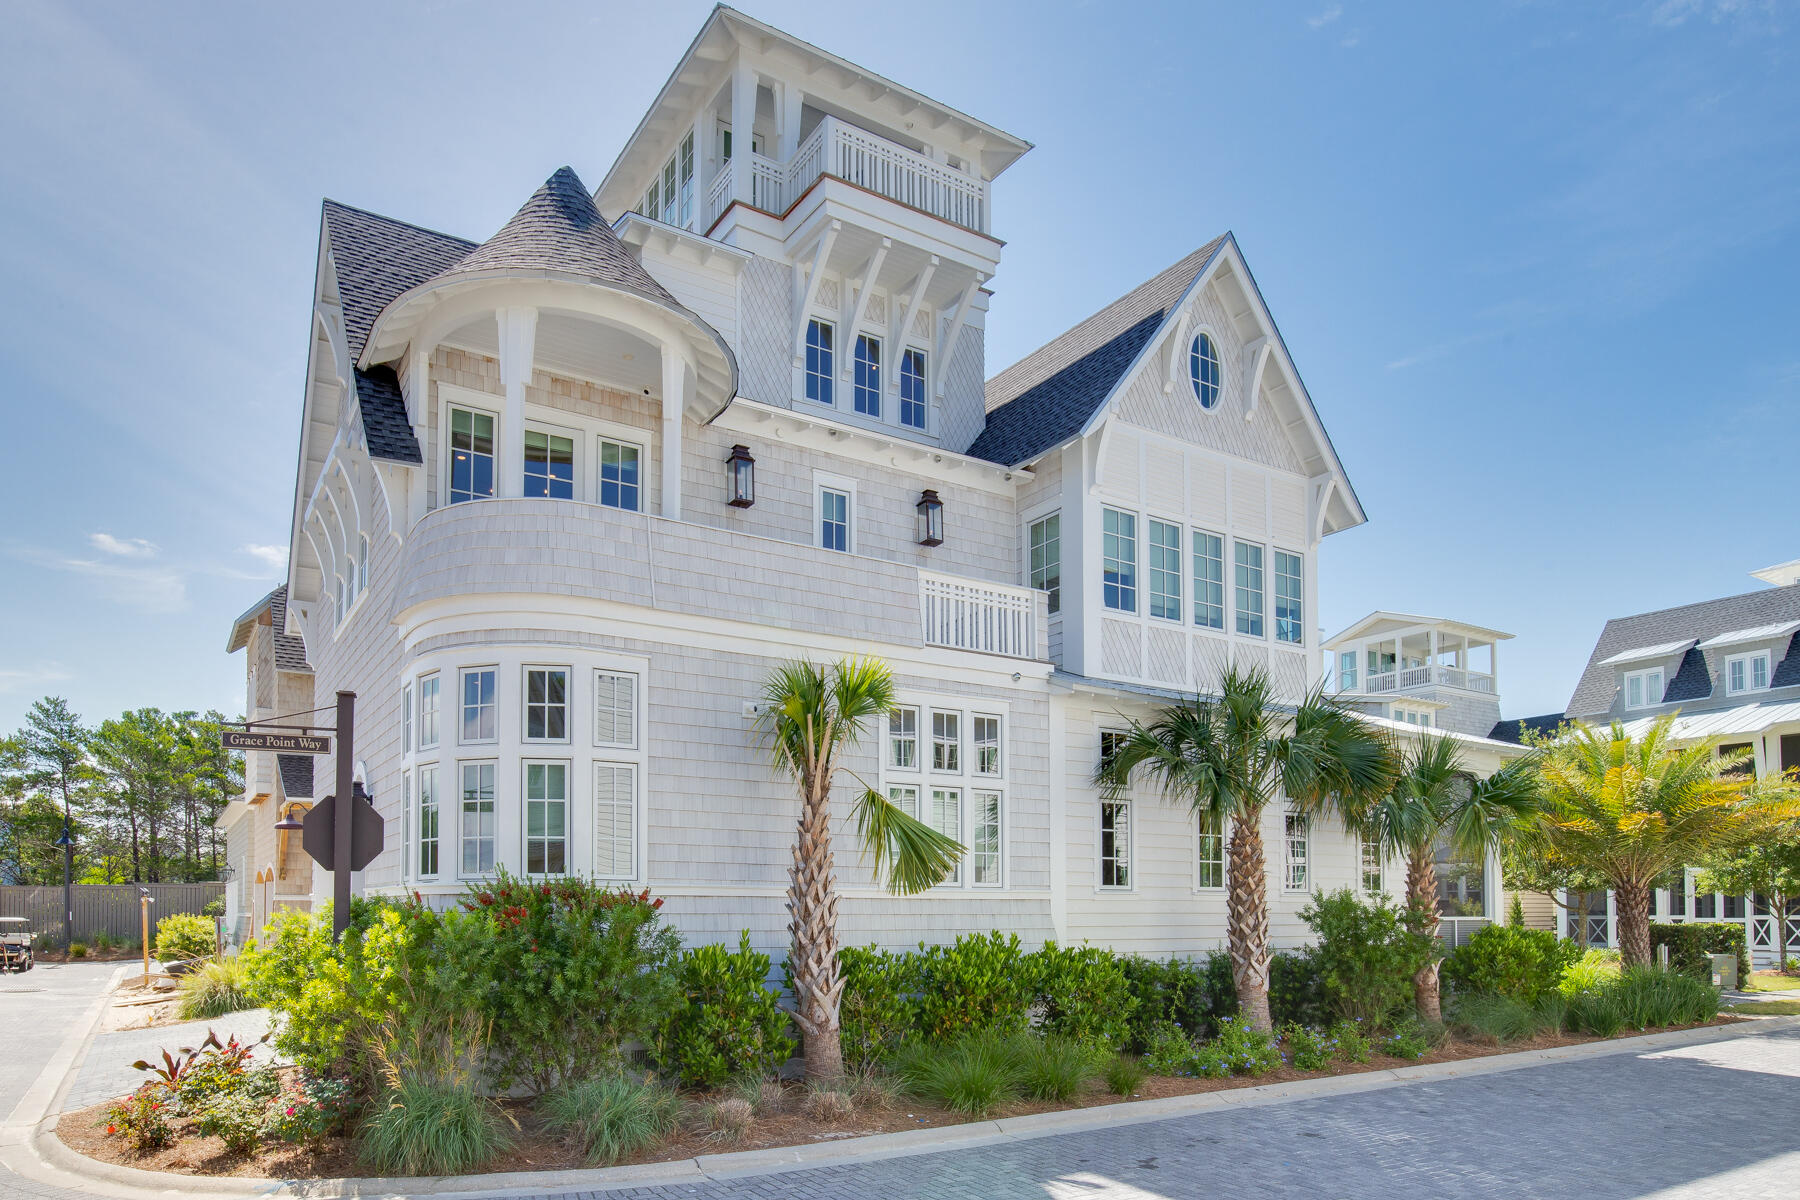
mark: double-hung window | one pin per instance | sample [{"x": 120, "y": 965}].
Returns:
[
  {"x": 945, "y": 815},
  {"x": 1115, "y": 824},
  {"x": 1296, "y": 877},
  {"x": 1371, "y": 865},
  {"x": 547, "y": 818},
  {"x": 1209, "y": 580},
  {"x": 1165, "y": 570},
  {"x": 903, "y": 740},
  {"x": 834, "y": 519},
  {"x": 549, "y": 465},
  {"x": 1346, "y": 670},
  {"x": 923, "y": 773},
  {"x": 820, "y": 337},
  {"x": 428, "y": 821},
  {"x": 1249, "y": 591},
  {"x": 984, "y": 838},
  {"x": 946, "y": 741},
  {"x": 1118, "y": 567},
  {"x": 1747, "y": 672},
  {"x": 1211, "y": 873},
  {"x": 477, "y": 818},
  {"x": 620, "y": 481},
  {"x": 546, "y": 704},
  {"x": 986, "y": 733},
  {"x": 912, "y": 388},
  {"x": 471, "y": 455},
  {"x": 1045, "y": 538},
  {"x": 428, "y": 711},
  {"x": 1289, "y": 605},
  {"x": 686, "y": 208},
  {"x": 615, "y": 820},
  {"x": 479, "y": 705},
  {"x": 865, "y": 392},
  {"x": 1644, "y": 688}
]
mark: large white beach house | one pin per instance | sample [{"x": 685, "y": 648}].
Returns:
[{"x": 567, "y": 495}]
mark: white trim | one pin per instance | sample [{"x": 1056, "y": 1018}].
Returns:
[
  {"x": 462, "y": 672},
  {"x": 823, "y": 481},
  {"x": 525, "y": 670},
  {"x": 526, "y": 762},
  {"x": 888, "y": 445},
  {"x": 1749, "y": 662}
]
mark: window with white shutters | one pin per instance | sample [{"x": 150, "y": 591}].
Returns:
[
  {"x": 615, "y": 820},
  {"x": 615, "y": 709}
]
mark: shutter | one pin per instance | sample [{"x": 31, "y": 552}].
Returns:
[
  {"x": 615, "y": 820},
  {"x": 615, "y": 709}
]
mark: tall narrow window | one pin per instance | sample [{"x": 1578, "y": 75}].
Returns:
[
  {"x": 549, "y": 465},
  {"x": 945, "y": 816},
  {"x": 687, "y": 179},
  {"x": 1347, "y": 671},
  {"x": 903, "y": 739},
  {"x": 471, "y": 455},
  {"x": 866, "y": 393},
  {"x": 984, "y": 839},
  {"x": 1209, "y": 580},
  {"x": 477, "y": 818},
  {"x": 1289, "y": 614},
  {"x": 546, "y": 818},
  {"x": 1118, "y": 568},
  {"x": 428, "y": 821},
  {"x": 546, "y": 704},
  {"x": 946, "y": 741},
  {"x": 819, "y": 360},
  {"x": 615, "y": 820},
  {"x": 652, "y": 205},
  {"x": 1371, "y": 866},
  {"x": 406, "y": 718},
  {"x": 1249, "y": 595},
  {"x": 1045, "y": 537},
  {"x": 478, "y": 706},
  {"x": 912, "y": 389},
  {"x": 362, "y": 562},
  {"x": 1115, "y": 843},
  {"x": 1212, "y": 853},
  {"x": 671, "y": 204},
  {"x": 615, "y": 709},
  {"x": 1294, "y": 824},
  {"x": 1165, "y": 570},
  {"x": 428, "y": 711},
  {"x": 986, "y": 732},
  {"x": 619, "y": 475},
  {"x": 834, "y": 519}
]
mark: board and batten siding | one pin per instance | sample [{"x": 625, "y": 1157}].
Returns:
[{"x": 708, "y": 289}]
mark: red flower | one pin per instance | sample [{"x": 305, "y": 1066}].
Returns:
[{"x": 112, "y": 1129}]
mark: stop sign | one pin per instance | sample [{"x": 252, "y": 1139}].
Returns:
[{"x": 366, "y": 831}]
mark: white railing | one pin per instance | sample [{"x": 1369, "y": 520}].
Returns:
[
  {"x": 718, "y": 196},
  {"x": 1456, "y": 931},
  {"x": 987, "y": 617},
  {"x": 1412, "y": 677}
]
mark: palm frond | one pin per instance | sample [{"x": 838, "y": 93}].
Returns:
[{"x": 909, "y": 855}]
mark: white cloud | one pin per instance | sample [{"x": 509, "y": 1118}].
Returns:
[
  {"x": 1752, "y": 16},
  {"x": 147, "y": 589},
  {"x": 23, "y": 679},
  {"x": 1332, "y": 12},
  {"x": 274, "y": 556},
  {"x": 106, "y": 543}
]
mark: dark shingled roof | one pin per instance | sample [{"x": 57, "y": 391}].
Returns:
[
  {"x": 1596, "y": 693},
  {"x": 385, "y": 423},
  {"x": 296, "y": 775},
  {"x": 1047, "y": 397},
  {"x": 377, "y": 258},
  {"x": 1514, "y": 730},
  {"x": 290, "y": 650}
]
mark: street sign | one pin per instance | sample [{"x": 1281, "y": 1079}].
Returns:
[
  {"x": 285, "y": 743},
  {"x": 367, "y": 831}
]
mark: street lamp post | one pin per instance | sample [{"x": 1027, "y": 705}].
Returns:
[{"x": 67, "y": 842}]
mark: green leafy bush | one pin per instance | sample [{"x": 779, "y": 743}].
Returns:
[
  {"x": 1408, "y": 1039},
  {"x": 1351, "y": 1043},
  {"x": 1521, "y": 964},
  {"x": 1209, "y": 1060},
  {"x": 183, "y": 937},
  {"x": 613, "y": 1116},
  {"x": 426, "y": 1126},
  {"x": 1054, "y": 1068},
  {"x": 1195, "y": 995},
  {"x": 236, "y": 1118},
  {"x": 1306, "y": 1049},
  {"x": 142, "y": 1118},
  {"x": 216, "y": 987},
  {"x": 1124, "y": 1075},
  {"x": 1085, "y": 994},
  {"x": 974, "y": 1073},
  {"x": 729, "y": 1024},
  {"x": 78, "y": 950},
  {"x": 1594, "y": 970},
  {"x": 1691, "y": 942},
  {"x": 311, "y": 1107},
  {"x": 1246, "y": 1051},
  {"x": 1365, "y": 956},
  {"x": 875, "y": 1011},
  {"x": 214, "y": 907},
  {"x": 982, "y": 982},
  {"x": 1296, "y": 989},
  {"x": 1168, "y": 1050}
]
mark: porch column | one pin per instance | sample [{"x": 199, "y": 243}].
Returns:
[
  {"x": 518, "y": 338},
  {"x": 674, "y": 403},
  {"x": 1431, "y": 655},
  {"x": 743, "y": 126},
  {"x": 788, "y": 100}
]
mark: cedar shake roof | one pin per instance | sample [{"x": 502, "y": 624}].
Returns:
[{"x": 290, "y": 651}]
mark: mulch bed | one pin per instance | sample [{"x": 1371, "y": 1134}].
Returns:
[{"x": 537, "y": 1149}]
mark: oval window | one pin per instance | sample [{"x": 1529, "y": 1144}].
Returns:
[{"x": 1203, "y": 369}]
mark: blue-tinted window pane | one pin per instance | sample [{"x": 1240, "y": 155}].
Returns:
[
  {"x": 1209, "y": 580},
  {"x": 471, "y": 455},
  {"x": 1165, "y": 570},
  {"x": 819, "y": 361},
  {"x": 912, "y": 389},
  {"x": 1289, "y": 626},
  {"x": 1119, "y": 566},
  {"x": 549, "y": 465},
  {"x": 868, "y": 375},
  {"x": 1249, "y": 561},
  {"x": 1203, "y": 370},
  {"x": 619, "y": 475},
  {"x": 834, "y": 520}
]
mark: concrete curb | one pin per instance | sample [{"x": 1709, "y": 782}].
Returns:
[{"x": 142, "y": 1185}]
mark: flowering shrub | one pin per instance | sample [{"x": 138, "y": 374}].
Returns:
[
  {"x": 1407, "y": 1040},
  {"x": 236, "y": 1118},
  {"x": 729, "y": 1024},
  {"x": 142, "y": 1118},
  {"x": 1307, "y": 1049},
  {"x": 1168, "y": 1050},
  {"x": 1351, "y": 1043},
  {"x": 1246, "y": 1051},
  {"x": 311, "y": 1107}
]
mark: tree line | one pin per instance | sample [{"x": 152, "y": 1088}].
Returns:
[{"x": 140, "y": 792}]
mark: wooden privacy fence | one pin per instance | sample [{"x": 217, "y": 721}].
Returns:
[{"x": 103, "y": 907}]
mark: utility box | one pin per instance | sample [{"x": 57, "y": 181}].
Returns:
[{"x": 1724, "y": 971}]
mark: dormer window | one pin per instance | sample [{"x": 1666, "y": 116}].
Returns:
[
  {"x": 1747, "y": 673},
  {"x": 1643, "y": 688},
  {"x": 1203, "y": 370}
]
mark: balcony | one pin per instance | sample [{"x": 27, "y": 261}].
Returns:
[
  {"x": 839, "y": 150},
  {"x": 988, "y": 618},
  {"x": 1418, "y": 677}
]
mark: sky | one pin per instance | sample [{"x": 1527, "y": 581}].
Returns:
[{"x": 1534, "y": 261}]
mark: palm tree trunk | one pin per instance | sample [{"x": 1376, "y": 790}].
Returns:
[
  {"x": 812, "y": 906},
  {"x": 1422, "y": 917},
  {"x": 1633, "y": 903},
  {"x": 1247, "y": 921}
]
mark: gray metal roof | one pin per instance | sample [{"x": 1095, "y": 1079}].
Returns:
[
  {"x": 1699, "y": 667},
  {"x": 1047, "y": 397}
]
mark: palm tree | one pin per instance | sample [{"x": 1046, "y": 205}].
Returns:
[
  {"x": 812, "y": 716},
  {"x": 1632, "y": 810},
  {"x": 1227, "y": 758},
  {"x": 1437, "y": 799}
]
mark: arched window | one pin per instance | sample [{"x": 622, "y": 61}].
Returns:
[{"x": 1203, "y": 370}]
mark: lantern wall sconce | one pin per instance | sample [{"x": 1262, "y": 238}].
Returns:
[
  {"x": 931, "y": 519},
  {"x": 742, "y": 469}
]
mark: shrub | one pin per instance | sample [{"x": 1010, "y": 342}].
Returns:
[
  {"x": 973, "y": 1074},
  {"x": 875, "y": 1011},
  {"x": 1306, "y": 1049},
  {"x": 1351, "y": 1043},
  {"x": 873, "y": 1090},
  {"x": 1054, "y": 1068},
  {"x": 1195, "y": 995},
  {"x": 312, "y": 1107},
  {"x": 730, "y": 1119},
  {"x": 428, "y": 1126},
  {"x": 1246, "y": 1051},
  {"x": 1596, "y": 1012},
  {"x": 218, "y": 986},
  {"x": 214, "y": 907},
  {"x": 612, "y": 1115},
  {"x": 729, "y": 1023},
  {"x": 1650, "y": 996},
  {"x": 1691, "y": 942},
  {"x": 1515, "y": 912},
  {"x": 1593, "y": 970},
  {"x": 1124, "y": 1075},
  {"x": 236, "y": 1118},
  {"x": 101, "y": 941},
  {"x": 982, "y": 982},
  {"x": 142, "y": 1118},
  {"x": 1496, "y": 1016},
  {"x": 1085, "y": 994},
  {"x": 1365, "y": 957},
  {"x": 1168, "y": 1050},
  {"x": 78, "y": 949},
  {"x": 1209, "y": 1060},
  {"x": 183, "y": 937},
  {"x": 1521, "y": 964},
  {"x": 1552, "y": 1011},
  {"x": 1408, "y": 1039},
  {"x": 829, "y": 1105},
  {"x": 1296, "y": 990}
]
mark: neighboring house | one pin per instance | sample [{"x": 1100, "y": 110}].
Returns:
[
  {"x": 1731, "y": 669},
  {"x": 567, "y": 496}
]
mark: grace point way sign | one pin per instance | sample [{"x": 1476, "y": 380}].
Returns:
[{"x": 284, "y": 743}]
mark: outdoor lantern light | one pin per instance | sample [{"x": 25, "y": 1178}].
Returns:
[
  {"x": 931, "y": 519},
  {"x": 743, "y": 477},
  {"x": 289, "y": 822},
  {"x": 66, "y": 840}
]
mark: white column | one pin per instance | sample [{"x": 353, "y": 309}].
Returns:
[
  {"x": 789, "y": 99},
  {"x": 674, "y": 403},
  {"x": 518, "y": 338},
  {"x": 743, "y": 125},
  {"x": 1431, "y": 655}
]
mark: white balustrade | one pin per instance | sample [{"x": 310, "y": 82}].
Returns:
[{"x": 990, "y": 618}]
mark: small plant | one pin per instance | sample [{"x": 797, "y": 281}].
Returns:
[
  {"x": 218, "y": 986},
  {"x": 1596, "y": 1012},
  {"x": 1246, "y": 1051},
  {"x": 1496, "y": 1016},
  {"x": 236, "y": 1118},
  {"x": 763, "y": 1095},
  {"x": 1552, "y": 1011},
  {"x": 1306, "y": 1049},
  {"x": 1593, "y": 970},
  {"x": 730, "y": 1023},
  {"x": 612, "y": 1115},
  {"x": 1124, "y": 1075},
  {"x": 1351, "y": 1043},
  {"x": 1209, "y": 1060},
  {"x": 730, "y": 1119},
  {"x": 78, "y": 949},
  {"x": 973, "y": 1074},
  {"x": 142, "y": 1118},
  {"x": 102, "y": 941},
  {"x": 197, "y": 1074},
  {"x": 1167, "y": 1050},
  {"x": 829, "y": 1105},
  {"x": 184, "y": 937},
  {"x": 1053, "y": 1068},
  {"x": 431, "y": 1127},
  {"x": 873, "y": 1091},
  {"x": 311, "y": 1108},
  {"x": 1522, "y": 964},
  {"x": 1408, "y": 1039}
]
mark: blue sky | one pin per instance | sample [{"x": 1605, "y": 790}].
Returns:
[{"x": 1536, "y": 263}]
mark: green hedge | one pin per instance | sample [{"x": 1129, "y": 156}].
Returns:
[
  {"x": 1689, "y": 944},
  {"x": 1507, "y": 960}
]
